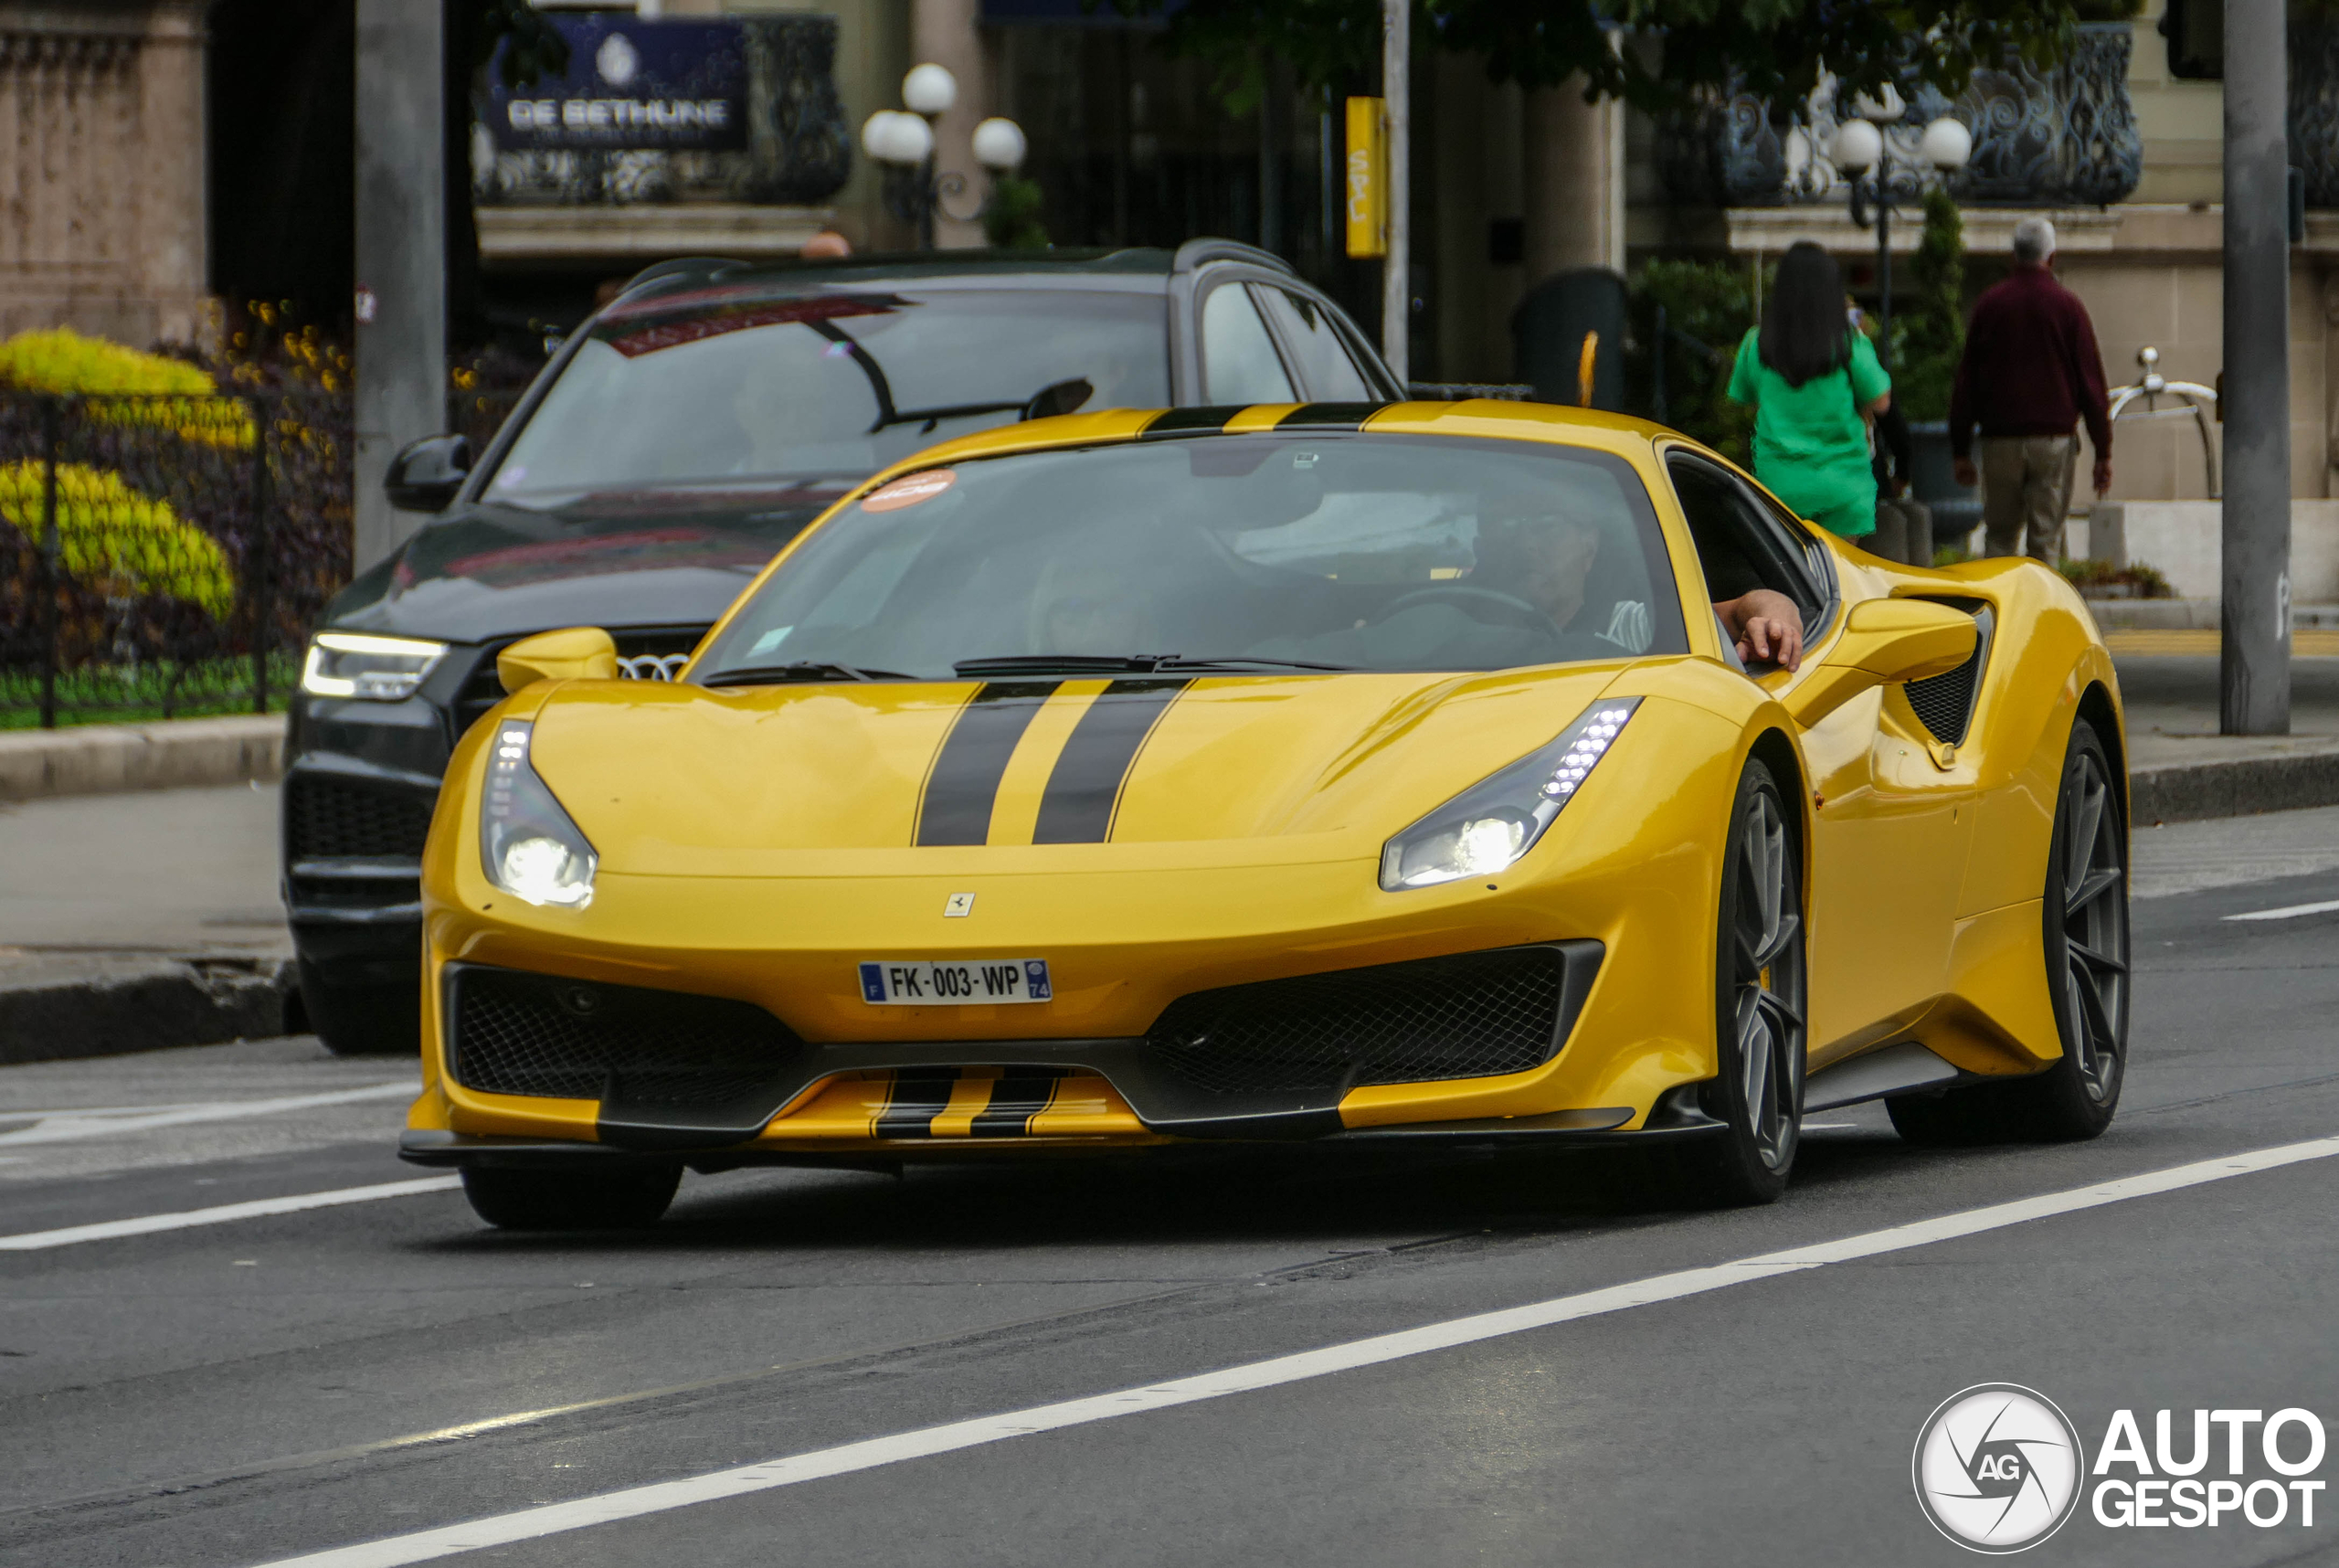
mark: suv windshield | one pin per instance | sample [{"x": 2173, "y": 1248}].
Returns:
[
  {"x": 729, "y": 384},
  {"x": 1342, "y": 551}
]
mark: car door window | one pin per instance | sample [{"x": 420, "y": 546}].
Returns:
[
  {"x": 1238, "y": 360},
  {"x": 1323, "y": 359},
  {"x": 1741, "y": 546}
]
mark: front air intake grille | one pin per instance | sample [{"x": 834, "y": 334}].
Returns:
[
  {"x": 518, "y": 1033},
  {"x": 1943, "y": 703},
  {"x": 337, "y": 819},
  {"x": 1470, "y": 1016}
]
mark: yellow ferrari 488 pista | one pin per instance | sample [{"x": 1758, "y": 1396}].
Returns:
[{"x": 1353, "y": 774}]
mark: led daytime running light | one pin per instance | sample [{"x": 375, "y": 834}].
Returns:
[
  {"x": 529, "y": 846},
  {"x": 365, "y": 668}
]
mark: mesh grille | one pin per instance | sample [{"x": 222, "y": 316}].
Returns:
[
  {"x": 533, "y": 1034},
  {"x": 1944, "y": 703},
  {"x": 331, "y": 818},
  {"x": 1470, "y": 1016}
]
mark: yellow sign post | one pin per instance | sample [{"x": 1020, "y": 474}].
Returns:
[{"x": 1368, "y": 178}]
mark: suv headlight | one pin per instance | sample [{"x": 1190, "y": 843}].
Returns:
[
  {"x": 368, "y": 668},
  {"x": 1494, "y": 822},
  {"x": 530, "y": 849}
]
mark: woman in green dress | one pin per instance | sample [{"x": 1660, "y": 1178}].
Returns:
[{"x": 1813, "y": 384}]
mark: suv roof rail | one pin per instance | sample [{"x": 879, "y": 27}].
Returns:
[
  {"x": 1194, "y": 252},
  {"x": 697, "y": 264}
]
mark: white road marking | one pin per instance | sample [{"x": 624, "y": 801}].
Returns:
[
  {"x": 147, "y": 1225},
  {"x": 2289, "y": 911},
  {"x": 634, "y": 1502},
  {"x": 61, "y": 1126}
]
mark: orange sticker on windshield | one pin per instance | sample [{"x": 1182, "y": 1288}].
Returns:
[{"x": 909, "y": 490}]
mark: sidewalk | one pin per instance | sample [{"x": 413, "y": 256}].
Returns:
[{"x": 134, "y": 921}]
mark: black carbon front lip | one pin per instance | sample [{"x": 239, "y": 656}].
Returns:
[{"x": 1164, "y": 1099}]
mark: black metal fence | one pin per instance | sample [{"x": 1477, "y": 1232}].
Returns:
[{"x": 164, "y": 556}]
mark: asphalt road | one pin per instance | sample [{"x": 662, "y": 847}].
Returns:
[{"x": 243, "y": 1391}]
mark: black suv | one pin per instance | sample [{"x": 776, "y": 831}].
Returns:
[{"x": 675, "y": 442}]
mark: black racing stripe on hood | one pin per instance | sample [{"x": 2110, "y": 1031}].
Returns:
[
  {"x": 1328, "y": 416},
  {"x": 915, "y": 1096},
  {"x": 1190, "y": 421},
  {"x": 956, "y": 807},
  {"x": 1015, "y": 1098},
  {"x": 1084, "y": 788}
]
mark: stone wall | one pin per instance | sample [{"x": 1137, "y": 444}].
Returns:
[
  {"x": 101, "y": 167},
  {"x": 2182, "y": 540}
]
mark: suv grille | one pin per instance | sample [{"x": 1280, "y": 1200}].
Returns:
[
  {"x": 654, "y": 654},
  {"x": 1472, "y": 1015},
  {"x": 337, "y": 818},
  {"x": 517, "y": 1033},
  {"x": 1944, "y": 703}
]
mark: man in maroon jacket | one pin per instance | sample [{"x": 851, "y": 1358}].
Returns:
[{"x": 2030, "y": 374}]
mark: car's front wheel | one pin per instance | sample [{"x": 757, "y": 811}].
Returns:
[
  {"x": 1758, "y": 1005},
  {"x": 2085, "y": 917},
  {"x": 623, "y": 1200},
  {"x": 361, "y": 1020}
]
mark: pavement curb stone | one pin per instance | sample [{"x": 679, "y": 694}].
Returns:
[
  {"x": 99, "y": 759},
  {"x": 2233, "y": 787},
  {"x": 152, "y": 1005}
]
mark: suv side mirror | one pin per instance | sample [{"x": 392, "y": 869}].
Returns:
[
  {"x": 1885, "y": 640},
  {"x": 579, "y": 654},
  {"x": 425, "y": 476}
]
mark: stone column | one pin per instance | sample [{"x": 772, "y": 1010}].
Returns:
[
  {"x": 948, "y": 33},
  {"x": 173, "y": 243},
  {"x": 1573, "y": 172}
]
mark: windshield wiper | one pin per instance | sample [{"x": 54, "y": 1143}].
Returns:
[
  {"x": 799, "y": 670},
  {"x": 1124, "y": 664}
]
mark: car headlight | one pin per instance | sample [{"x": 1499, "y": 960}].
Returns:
[
  {"x": 531, "y": 848},
  {"x": 1489, "y": 825},
  {"x": 368, "y": 668}
]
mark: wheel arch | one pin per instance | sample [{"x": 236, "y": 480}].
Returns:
[
  {"x": 1777, "y": 751},
  {"x": 2096, "y": 706}
]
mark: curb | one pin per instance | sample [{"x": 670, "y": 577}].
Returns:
[
  {"x": 151, "y": 1006},
  {"x": 104, "y": 759},
  {"x": 2238, "y": 787}
]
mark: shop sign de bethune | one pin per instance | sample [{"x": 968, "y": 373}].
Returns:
[{"x": 631, "y": 84}]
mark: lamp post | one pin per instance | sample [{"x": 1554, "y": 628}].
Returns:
[
  {"x": 903, "y": 140},
  {"x": 1860, "y": 147}
]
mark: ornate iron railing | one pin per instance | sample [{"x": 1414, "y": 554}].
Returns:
[{"x": 2064, "y": 136}]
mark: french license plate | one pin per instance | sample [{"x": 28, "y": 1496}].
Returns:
[{"x": 908, "y": 982}]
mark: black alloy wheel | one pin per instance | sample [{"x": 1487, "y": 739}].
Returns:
[
  {"x": 2084, "y": 913},
  {"x": 1759, "y": 1004},
  {"x": 630, "y": 1199}
]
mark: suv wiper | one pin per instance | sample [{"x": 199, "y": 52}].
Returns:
[
  {"x": 1126, "y": 664},
  {"x": 799, "y": 670}
]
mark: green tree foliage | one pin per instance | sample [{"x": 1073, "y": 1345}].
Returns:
[
  {"x": 1933, "y": 336},
  {"x": 1775, "y": 48},
  {"x": 1709, "y": 306},
  {"x": 1011, "y": 217}
]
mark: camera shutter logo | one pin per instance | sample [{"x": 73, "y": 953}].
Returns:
[{"x": 1998, "y": 1467}]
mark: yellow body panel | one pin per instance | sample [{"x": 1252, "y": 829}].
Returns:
[{"x": 757, "y": 842}]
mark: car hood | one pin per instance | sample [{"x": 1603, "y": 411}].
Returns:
[
  {"x": 620, "y": 558},
  {"x": 853, "y": 778}
]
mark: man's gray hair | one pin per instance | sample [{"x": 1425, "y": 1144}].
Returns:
[{"x": 2033, "y": 241}]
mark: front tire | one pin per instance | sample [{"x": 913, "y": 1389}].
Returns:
[
  {"x": 1758, "y": 1005},
  {"x": 362, "y": 1020},
  {"x": 627, "y": 1200},
  {"x": 2084, "y": 918}
]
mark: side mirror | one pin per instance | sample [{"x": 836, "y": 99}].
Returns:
[
  {"x": 1060, "y": 398},
  {"x": 425, "y": 476},
  {"x": 579, "y": 654},
  {"x": 1884, "y": 640}
]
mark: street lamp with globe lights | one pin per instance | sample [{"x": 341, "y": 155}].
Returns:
[
  {"x": 1861, "y": 147},
  {"x": 904, "y": 143}
]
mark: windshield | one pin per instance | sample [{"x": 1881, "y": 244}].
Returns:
[
  {"x": 718, "y": 386},
  {"x": 1344, "y": 551}
]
